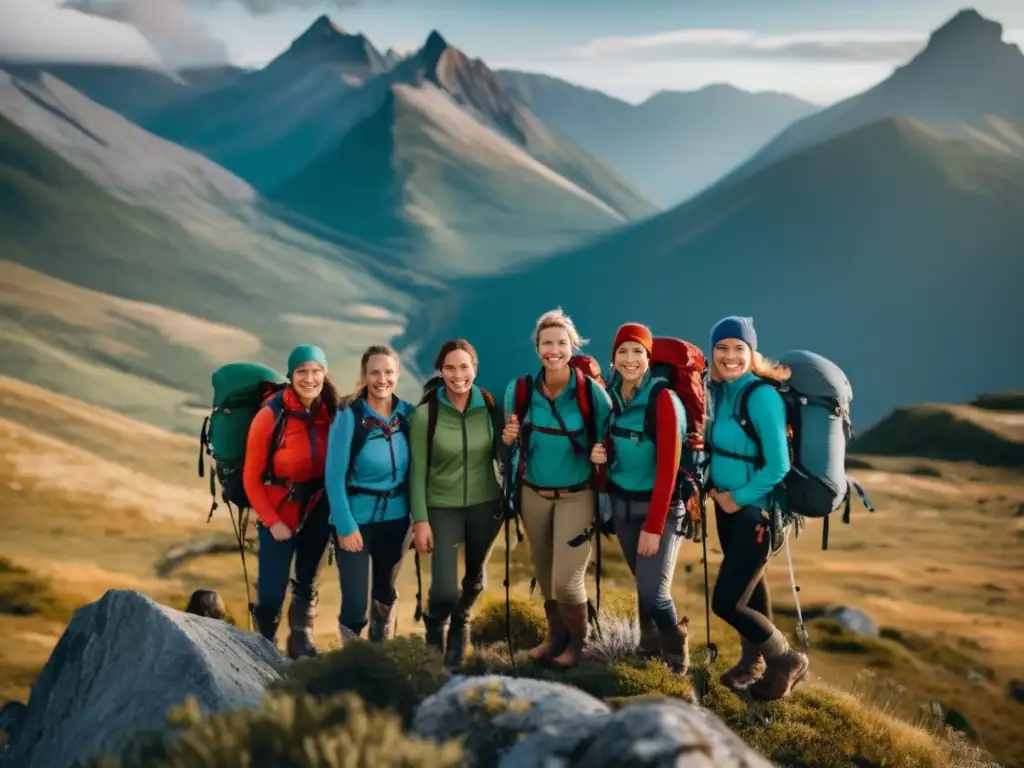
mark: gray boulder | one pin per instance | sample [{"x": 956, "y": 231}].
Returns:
[
  {"x": 648, "y": 734},
  {"x": 509, "y": 722},
  {"x": 493, "y": 712},
  {"x": 121, "y": 664},
  {"x": 853, "y": 620}
]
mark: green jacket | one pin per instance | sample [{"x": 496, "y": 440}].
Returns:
[{"x": 462, "y": 468}]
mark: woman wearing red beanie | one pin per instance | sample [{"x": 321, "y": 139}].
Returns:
[{"x": 641, "y": 479}]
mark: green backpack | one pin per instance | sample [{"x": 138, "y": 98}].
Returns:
[{"x": 239, "y": 391}]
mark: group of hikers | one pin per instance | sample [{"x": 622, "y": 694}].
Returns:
[{"x": 566, "y": 452}]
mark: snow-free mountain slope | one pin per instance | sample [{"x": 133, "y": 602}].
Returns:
[{"x": 907, "y": 272}]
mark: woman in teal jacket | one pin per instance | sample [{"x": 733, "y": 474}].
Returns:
[
  {"x": 555, "y": 479},
  {"x": 455, "y": 494},
  {"x": 368, "y": 491},
  {"x": 741, "y": 479},
  {"x": 641, "y": 484}
]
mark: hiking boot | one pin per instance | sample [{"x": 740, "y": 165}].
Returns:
[
  {"x": 301, "y": 613},
  {"x": 383, "y": 622},
  {"x": 575, "y": 619},
  {"x": 748, "y": 669},
  {"x": 675, "y": 646},
  {"x": 434, "y": 621},
  {"x": 458, "y": 638},
  {"x": 650, "y": 641},
  {"x": 267, "y": 621},
  {"x": 784, "y": 669},
  {"x": 557, "y": 636},
  {"x": 348, "y": 636}
]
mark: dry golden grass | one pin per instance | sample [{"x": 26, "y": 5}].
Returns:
[{"x": 93, "y": 500}]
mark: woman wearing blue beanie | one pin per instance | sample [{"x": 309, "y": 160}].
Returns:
[
  {"x": 288, "y": 495},
  {"x": 741, "y": 479}
]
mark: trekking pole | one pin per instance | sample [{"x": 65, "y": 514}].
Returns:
[
  {"x": 508, "y": 508},
  {"x": 711, "y": 653},
  {"x": 243, "y": 523}
]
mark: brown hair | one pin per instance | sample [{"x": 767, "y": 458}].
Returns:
[
  {"x": 375, "y": 349},
  {"x": 453, "y": 345},
  {"x": 328, "y": 396}
]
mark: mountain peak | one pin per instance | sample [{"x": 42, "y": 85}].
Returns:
[
  {"x": 966, "y": 36},
  {"x": 322, "y": 28},
  {"x": 435, "y": 45}
]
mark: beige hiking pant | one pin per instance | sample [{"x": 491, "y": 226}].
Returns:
[{"x": 550, "y": 524}]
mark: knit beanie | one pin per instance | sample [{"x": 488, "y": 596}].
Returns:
[
  {"x": 641, "y": 334},
  {"x": 306, "y": 353},
  {"x": 735, "y": 327}
]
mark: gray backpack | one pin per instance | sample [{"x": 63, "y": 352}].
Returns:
[{"x": 817, "y": 398}]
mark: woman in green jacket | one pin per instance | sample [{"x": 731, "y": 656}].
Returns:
[{"x": 455, "y": 493}]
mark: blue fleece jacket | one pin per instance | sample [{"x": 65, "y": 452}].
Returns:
[
  {"x": 382, "y": 465},
  {"x": 551, "y": 461},
  {"x": 635, "y": 464},
  {"x": 768, "y": 416}
]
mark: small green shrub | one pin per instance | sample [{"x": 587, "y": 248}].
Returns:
[
  {"x": 527, "y": 622},
  {"x": 299, "y": 732},
  {"x": 397, "y": 674}
]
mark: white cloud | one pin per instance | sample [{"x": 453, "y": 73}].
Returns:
[
  {"x": 740, "y": 44},
  {"x": 35, "y": 30}
]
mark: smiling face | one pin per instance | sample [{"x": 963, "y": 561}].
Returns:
[
  {"x": 554, "y": 348},
  {"x": 458, "y": 372},
  {"x": 308, "y": 381},
  {"x": 631, "y": 361},
  {"x": 381, "y": 376},
  {"x": 731, "y": 359}
]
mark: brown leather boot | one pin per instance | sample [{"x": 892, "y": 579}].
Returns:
[
  {"x": 675, "y": 646},
  {"x": 784, "y": 669},
  {"x": 575, "y": 620},
  {"x": 348, "y": 637},
  {"x": 267, "y": 621},
  {"x": 557, "y": 636},
  {"x": 748, "y": 669},
  {"x": 301, "y": 614},
  {"x": 383, "y": 621},
  {"x": 650, "y": 641}
]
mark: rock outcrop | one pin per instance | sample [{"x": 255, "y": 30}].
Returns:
[
  {"x": 512, "y": 722},
  {"x": 121, "y": 664}
]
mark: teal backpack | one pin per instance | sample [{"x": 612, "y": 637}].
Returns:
[{"x": 239, "y": 391}]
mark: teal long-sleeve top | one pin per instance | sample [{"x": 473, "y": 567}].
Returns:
[
  {"x": 551, "y": 460},
  {"x": 748, "y": 486}
]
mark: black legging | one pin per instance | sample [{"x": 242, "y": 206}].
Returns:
[{"x": 741, "y": 592}]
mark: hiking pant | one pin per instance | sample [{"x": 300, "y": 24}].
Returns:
[
  {"x": 550, "y": 524},
  {"x": 477, "y": 526},
  {"x": 371, "y": 572},
  {"x": 653, "y": 574},
  {"x": 741, "y": 595},
  {"x": 306, "y": 547}
]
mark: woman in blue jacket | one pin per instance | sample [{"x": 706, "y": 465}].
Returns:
[
  {"x": 367, "y": 486},
  {"x": 641, "y": 484},
  {"x": 741, "y": 479},
  {"x": 556, "y": 480}
]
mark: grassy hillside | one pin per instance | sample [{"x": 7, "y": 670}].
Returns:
[
  {"x": 94, "y": 500},
  {"x": 883, "y": 249},
  {"x": 424, "y": 178},
  {"x": 129, "y": 307},
  {"x": 987, "y": 436}
]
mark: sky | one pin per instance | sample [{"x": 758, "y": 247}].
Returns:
[{"x": 819, "y": 50}]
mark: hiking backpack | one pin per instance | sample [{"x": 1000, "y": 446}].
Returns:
[
  {"x": 240, "y": 390},
  {"x": 817, "y": 397}
]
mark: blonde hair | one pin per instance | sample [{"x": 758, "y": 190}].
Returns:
[{"x": 556, "y": 318}]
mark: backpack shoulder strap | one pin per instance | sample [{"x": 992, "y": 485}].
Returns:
[
  {"x": 651, "y": 409},
  {"x": 359, "y": 431},
  {"x": 432, "y": 413},
  {"x": 743, "y": 410},
  {"x": 522, "y": 397},
  {"x": 276, "y": 406},
  {"x": 585, "y": 400}
]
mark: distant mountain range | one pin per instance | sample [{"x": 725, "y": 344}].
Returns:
[
  {"x": 672, "y": 145},
  {"x": 347, "y": 196},
  {"x": 966, "y": 83},
  {"x": 889, "y": 249}
]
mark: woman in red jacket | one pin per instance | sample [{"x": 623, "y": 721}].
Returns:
[{"x": 288, "y": 495}]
